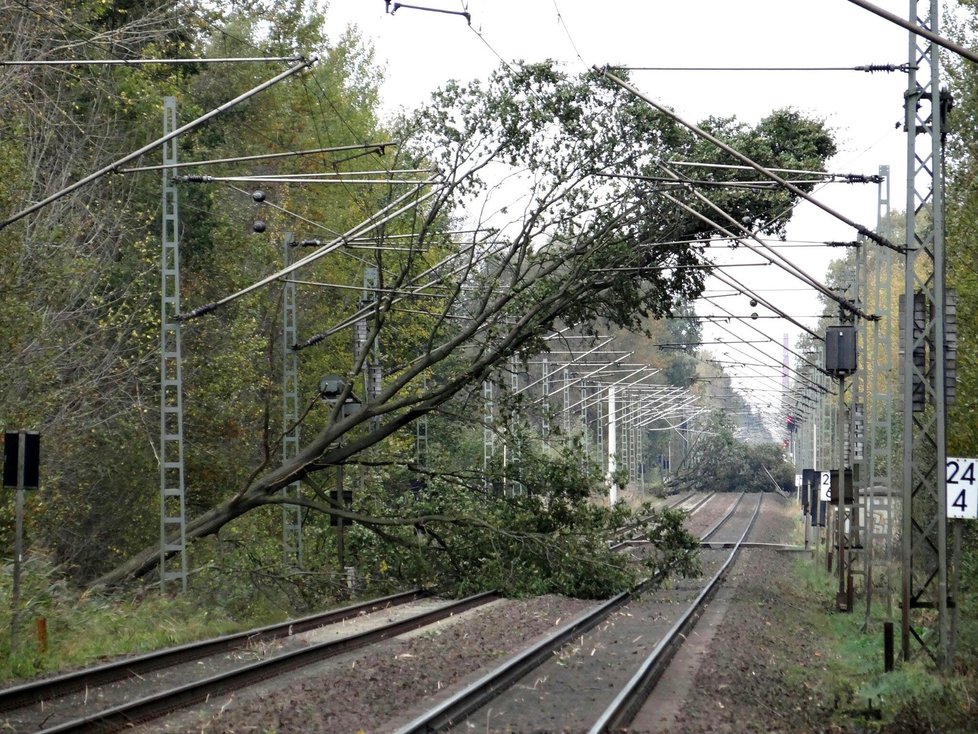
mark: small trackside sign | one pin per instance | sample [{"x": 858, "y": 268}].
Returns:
[{"x": 962, "y": 488}]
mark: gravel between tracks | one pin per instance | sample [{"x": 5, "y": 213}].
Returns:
[
  {"x": 365, "y": 690},
  {"x": 751, "y": 678},
  {"x": 739, "y": 687}
]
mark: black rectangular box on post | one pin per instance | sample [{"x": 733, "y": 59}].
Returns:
[
  {"x": 808, "y": 480},
  {"x": 346, "y": 502},
  {"x": 849, "y": 497},
  {"x": 840, "y": 350},
  {"x": 32, "y": 458}
]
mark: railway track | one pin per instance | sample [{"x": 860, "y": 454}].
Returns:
[
  {"x": 594, "y": 673},
  {"x": 690, "y": 503},
  {"x": 113, "y": 697}
]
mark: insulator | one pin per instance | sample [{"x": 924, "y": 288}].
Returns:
[{"x": 871, "y": 68}]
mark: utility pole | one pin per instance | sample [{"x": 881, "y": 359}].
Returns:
[
  {"x": 545, "y": 419},
  {"x": 373, "y": 373},
  {"x": 925, "y": 587},
  {"x": 512, "y": 453},
  {"x": 859, "y": 514},
  {"x": 488, "y": 431},
  {"x": 421, "y": 435},
  {"x": 173, "y": 518},
  {"x": 612, "y": 448},
  {"x": 291, "y": 514},
  {"x": 879, "y": 413},
  {"x": 842, "y": 546}
]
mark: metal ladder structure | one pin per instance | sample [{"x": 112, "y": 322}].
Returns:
[
  {"x": 373, "y": 375},
  {"x": 173, "y": 518},
  {"x": 488, "y": 429},
  {"x": 926, "y": 587},
  {"x": 291, "y": 514},
  {"x": 879, "y": 416}
]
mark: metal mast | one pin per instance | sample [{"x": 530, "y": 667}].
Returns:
[
  {"x": 925, "y": 586},
  {"x": 291, "y": 514},
  {"x": 421, "y": 435},
  {"x": 374, "y": 373},
  {"x": 545, "y": 417},
  {"x": 879, "y": 414},
  {"x": 612, "y": 448},
  {"x": 173, "y": 522},
  {"x": 488, "y": 430}
]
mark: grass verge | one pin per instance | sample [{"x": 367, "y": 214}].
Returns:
[
  {"x": 912, "y": 698},
  {"x": 85, "y": 628}
]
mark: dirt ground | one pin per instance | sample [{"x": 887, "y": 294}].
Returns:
[{"x": 752, "y": 677}]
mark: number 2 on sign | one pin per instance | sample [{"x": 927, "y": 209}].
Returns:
[
  {"x": 825, "y": 486},
  {"x": 962, "y": 488}
]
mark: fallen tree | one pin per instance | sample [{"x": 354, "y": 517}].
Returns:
[{"x": 553, "y": 174}]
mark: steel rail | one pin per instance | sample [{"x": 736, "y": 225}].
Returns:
[
  {"x": 692, "y": 510},
  {"x": 453, "y": 710},
  {"x": 44, "y": 690},
  {"x": 156, "y": 705},
  {"x": 673, "y": 504},
  {"x": 629, "y": 701},
  {"x": 632, "y": 541},
  {"x": 716, "y": 526}
]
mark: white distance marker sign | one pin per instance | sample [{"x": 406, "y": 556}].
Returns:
[
  {"x": 825, "y": 486},
  {"x": 962, "y": 488}
]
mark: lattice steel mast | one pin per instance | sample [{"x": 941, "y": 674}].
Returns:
[
  {"x": 925, "y": 563},
  {"x": 173, "y": 519},
  {"x": 291, "y": 514}
]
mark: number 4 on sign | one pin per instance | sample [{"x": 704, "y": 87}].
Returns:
[{"x": 962, "y": 488}]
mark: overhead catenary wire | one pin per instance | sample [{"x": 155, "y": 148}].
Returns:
[
  {"x": 353, "y": 318},
  {"x": 758, "y": 185},
  {"x": 304, "y": 64},
  {"x": 376, "y": 147},
  {"x": 570, "y": 39},
  {"x": 837, "y": 177},
  {"x": 775, "y": 257},
  {"x": 870, "y": 68},
  {"x": 309, "y": 179},
  {"x": 389, "y": 212},
  {"x": 770, "y": 339},
  {"x": 919, "y": 30},
  {"x": 144, "y": 62},
  {"x": 319, "y": 174},
  {"x": 728, "y": 279},
  {"x": 565, "y": 365}
]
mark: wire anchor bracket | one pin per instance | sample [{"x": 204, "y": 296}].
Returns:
[{"x": 397, "y": 6}]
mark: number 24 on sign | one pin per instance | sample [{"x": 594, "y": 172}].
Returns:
[{"x": 962, "y": 488}]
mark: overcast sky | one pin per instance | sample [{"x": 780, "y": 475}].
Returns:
[{"x": 421, "y": 50}]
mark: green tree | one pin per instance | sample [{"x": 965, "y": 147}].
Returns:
[
  {"x": 557, "y": 261},
  {"x": 720, "y": 462}
]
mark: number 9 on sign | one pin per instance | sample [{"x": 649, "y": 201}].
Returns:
[{"x": 962, "y": 488}]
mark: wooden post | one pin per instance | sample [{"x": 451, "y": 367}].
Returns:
[{"x": 41, "y": 629}]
